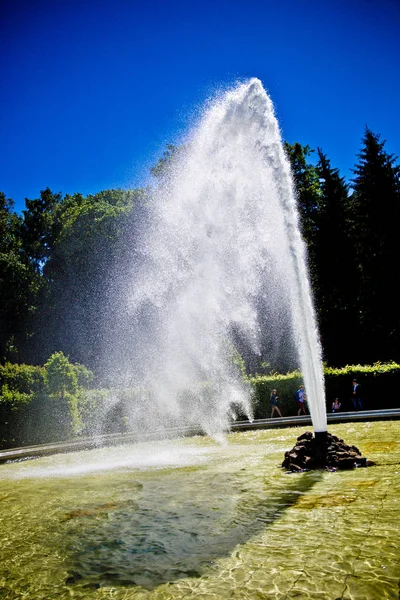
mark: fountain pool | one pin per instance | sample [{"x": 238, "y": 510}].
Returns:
[{"x": 195, "y": 519}]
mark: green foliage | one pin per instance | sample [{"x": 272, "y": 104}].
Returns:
[
  {"x": 170, "y": 155},
  {"x": 13, "y": 398},
  {"x": 55, "y": 261},
  {"x": 379, "y": 382},
  {"x": 286, "y": 386},
  {"x": 375, "y": 214},
  {"x": 335, "y": 280},
  {"x": 39, "y": 227},
  {"x": 42, "y": 404},
  {"x": 87, "y": 249},
  {"x": 25, "y": 379},
  {"x": 9, "y": 225},
  {"x": 63, "y": 381},
  {"x": 18, "y": 386},
  {"x": 19, "y": 285},
  {"x": 238, "y": 360},
  {"x": 60, "y": 375},
  {"x": 307, "y": 185}
]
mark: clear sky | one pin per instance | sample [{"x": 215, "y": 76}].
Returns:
[{"x": 93, "y": 90}]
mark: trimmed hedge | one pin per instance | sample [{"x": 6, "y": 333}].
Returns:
[
  {"x": 380, "y": 384},
  {"x": 286, "y": 386},
  {"x": 30, "y": 414}
]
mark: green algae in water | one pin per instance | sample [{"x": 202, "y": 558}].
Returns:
[{"x": 231, "y": 524}]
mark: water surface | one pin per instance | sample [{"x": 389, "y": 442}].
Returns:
[{"x": 193, "y": 518}]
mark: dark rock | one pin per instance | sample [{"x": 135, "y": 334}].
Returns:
[
  {"x": 355, "y": 449},
  {"x": 295, "y": 468},
  {"x": 323, "y": 453},
  {"x": 346, "y": 462},
  {"x": 300, "y": 450},
  {"x": 308, "y": 435}
]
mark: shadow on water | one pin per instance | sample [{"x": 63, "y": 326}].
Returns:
[{"x": 175, "y": 527}]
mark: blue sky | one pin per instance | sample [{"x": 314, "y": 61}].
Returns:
[{"x": 93, "y": 90}]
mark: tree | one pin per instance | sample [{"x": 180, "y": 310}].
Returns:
[
  {"x": 307, "y": 186},
  {"x": 60, "y": 376},
  {"x": 9, "y": 225},
  {"x": 87, "y": 255},
  {"x": 39, "y": 227},
  {"x": 19, "y": 286},
  {"x": 65, "y": 383},
  {"x": 335, "y": 283},
  {"x": 164, "y": 163},
  {"x": 375, "y": 212}
]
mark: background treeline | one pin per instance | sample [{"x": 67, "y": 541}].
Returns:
[{"x": 59, "y": 258}]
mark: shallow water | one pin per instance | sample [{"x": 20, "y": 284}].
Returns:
[{"x": 194, "y": 519}]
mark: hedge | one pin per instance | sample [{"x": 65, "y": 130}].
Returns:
[
  {"x": 30, "y": 414},
  {"x": 379, "y": 384}
]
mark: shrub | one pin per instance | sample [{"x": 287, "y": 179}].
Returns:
[{"x": 42, "y": 404}]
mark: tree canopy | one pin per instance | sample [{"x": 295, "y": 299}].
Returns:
[{"x": 60, "y": 258}]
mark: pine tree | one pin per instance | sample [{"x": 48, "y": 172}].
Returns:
[
  {"x": 307, "y": 187},
  {"x": 375, "y": 212},
  {"x": 335, "y": 286}
]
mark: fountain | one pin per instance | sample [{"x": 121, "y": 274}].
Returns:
[
  {"x": 194, "y": 517},
  {"x": 220, "y": 260}
]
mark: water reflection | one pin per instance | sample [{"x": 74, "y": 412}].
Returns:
[{"x": 175, "y": 526}]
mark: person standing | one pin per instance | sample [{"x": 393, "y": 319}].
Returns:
[
  {"x": 301, "y": 398},
  {"x": 356, "y": 396},
  {"x": 274, "y": 404},
  {"x": 336, "y": 405}
]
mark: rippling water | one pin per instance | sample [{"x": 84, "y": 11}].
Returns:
[{"x": 192, "y": 518}]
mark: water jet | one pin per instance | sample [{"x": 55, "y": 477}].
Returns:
[{"x": 220, "y": 265}]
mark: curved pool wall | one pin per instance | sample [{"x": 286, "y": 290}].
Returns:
[
  {"x": 219, "y": 262},
  {"x": 117, "y": 439},
  {"x": 190, "y": 518}
]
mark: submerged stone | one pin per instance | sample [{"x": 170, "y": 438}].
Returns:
[{"x": 330, "y": 452}]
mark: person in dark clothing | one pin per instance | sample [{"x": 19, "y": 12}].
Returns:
[
  {"x": 274, "y": 404},
  {"x": 356, "y": 396}
]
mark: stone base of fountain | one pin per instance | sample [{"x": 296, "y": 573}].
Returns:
[{"x": 324, "y": 451}]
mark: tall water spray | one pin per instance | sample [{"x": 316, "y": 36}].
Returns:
[{"x": 222, "y": 243}]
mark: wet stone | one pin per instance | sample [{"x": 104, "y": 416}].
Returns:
[
  {"x": 329, "y": 453},
  {"x": 308, "y": 435},
  {"x": 346, "y": 462}
]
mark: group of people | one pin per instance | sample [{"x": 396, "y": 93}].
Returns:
[
  {"x": 355, "y": 398},
  {"x": 301, "y": 398}
]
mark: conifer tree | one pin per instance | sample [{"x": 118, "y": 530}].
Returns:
[
  {"x": 308, "y": 193},
  {"x": 335, "y": 286},
  {"x": 375, "y": 212},
  {"x": 307, "y": 187}
]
